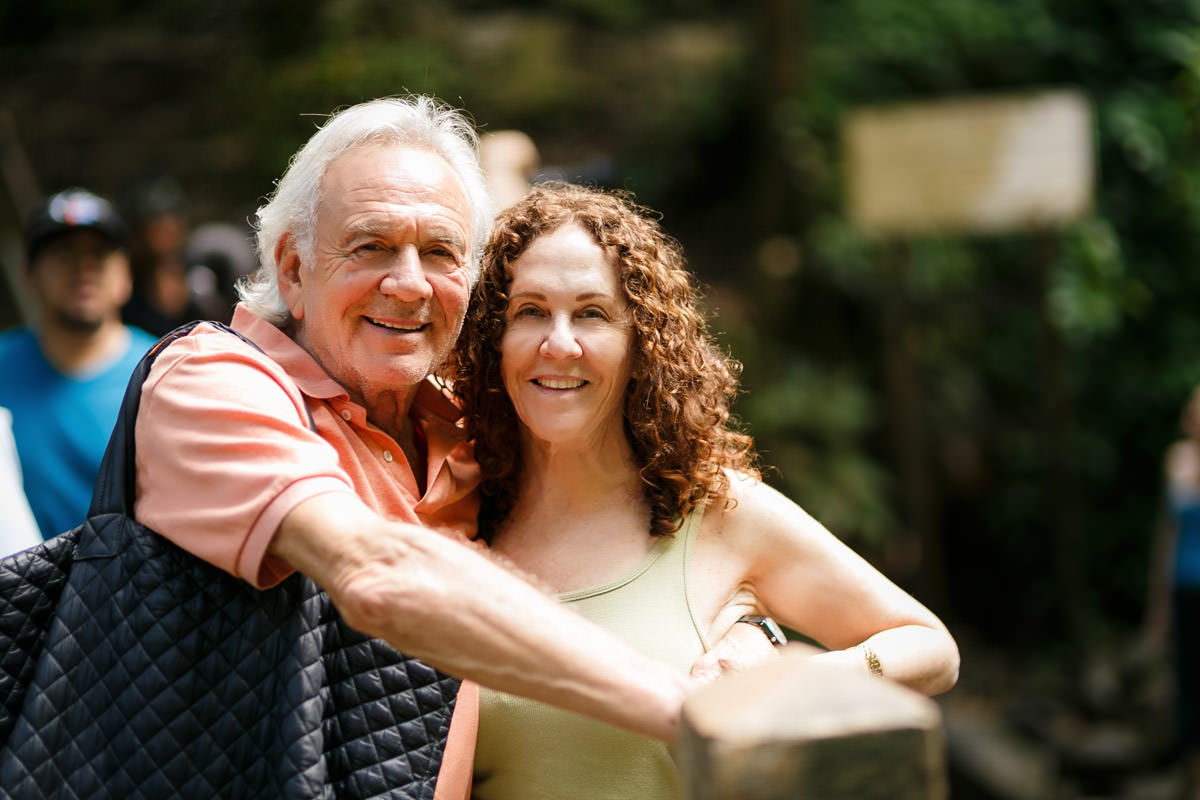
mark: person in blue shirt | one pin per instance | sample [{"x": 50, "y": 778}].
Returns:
[
  {"x": 1173, "y": 609},
  {"x": 63, "y": 376}
]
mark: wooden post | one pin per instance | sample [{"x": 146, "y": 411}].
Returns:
[{"x": 799, "y": 730}]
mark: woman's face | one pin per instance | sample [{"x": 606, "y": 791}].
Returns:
[{"x": 565, "y": 354}]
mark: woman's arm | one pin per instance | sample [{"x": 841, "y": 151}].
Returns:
[
  {"x": 811, "y": 582},
  {"x": 741, "y": 647}
]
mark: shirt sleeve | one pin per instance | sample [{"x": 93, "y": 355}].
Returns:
[{"x": 224, "y": 452}]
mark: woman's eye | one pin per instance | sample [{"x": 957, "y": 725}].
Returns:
[{"x": 593, "y": 313}]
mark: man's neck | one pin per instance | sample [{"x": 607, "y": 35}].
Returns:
[
  {"x": 72, "y": 349},
  {"x": 390, "y": 413},
  {"x": 415, "y": 453}
]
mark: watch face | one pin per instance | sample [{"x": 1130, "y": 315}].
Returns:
[
  {"x": 768, "y": 626},
  {"x": 774, "y": 632}
]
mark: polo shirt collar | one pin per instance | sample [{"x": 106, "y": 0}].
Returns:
[{"x": 310, "y": 376}]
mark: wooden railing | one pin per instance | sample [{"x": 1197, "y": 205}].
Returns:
[{"x": 794, "y": 729}]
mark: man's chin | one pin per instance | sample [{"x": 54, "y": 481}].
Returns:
[{"x": 80, "y": 322}]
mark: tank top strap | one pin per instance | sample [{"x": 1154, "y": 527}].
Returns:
[
  {"x": 689, "y": 532},
  {"x": 661, "y": 547}
]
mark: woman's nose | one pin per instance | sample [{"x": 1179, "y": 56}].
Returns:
[{"x": 560, "y": 341}]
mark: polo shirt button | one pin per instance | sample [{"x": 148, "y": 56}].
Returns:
[
  {"x": 347, "y": 414},
  {"x": 387, "y": 456}
]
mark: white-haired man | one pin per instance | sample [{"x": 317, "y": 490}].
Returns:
[{"x": 368, "y": 251}]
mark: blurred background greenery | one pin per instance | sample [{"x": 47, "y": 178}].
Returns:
[{"x": 1007, "y": 471}]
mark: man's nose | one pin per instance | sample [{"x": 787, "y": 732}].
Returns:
[
  {"x": 406, "y": 277},
  {"x": 87, "y": 260},
  {"x": 561, "y": 341}
]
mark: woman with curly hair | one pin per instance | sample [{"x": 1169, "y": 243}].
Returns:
[{"x": 614, "y": 473}]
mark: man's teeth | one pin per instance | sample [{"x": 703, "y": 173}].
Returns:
[
  {"x": 559, "y": 384},
  {"x": 406, "y": 328}
]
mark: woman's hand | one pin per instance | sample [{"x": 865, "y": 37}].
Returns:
[{"x": 742, "y": 646}]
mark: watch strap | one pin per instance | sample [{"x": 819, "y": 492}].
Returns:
[{"x": 768, "y": 626}]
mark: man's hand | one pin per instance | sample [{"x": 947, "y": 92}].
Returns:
[{"x": 742, "y": 646}]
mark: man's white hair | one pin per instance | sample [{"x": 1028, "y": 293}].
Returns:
[{"x": 419, "y": 121}]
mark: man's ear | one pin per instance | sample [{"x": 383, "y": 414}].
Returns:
[{"x": 289, "y": 274}]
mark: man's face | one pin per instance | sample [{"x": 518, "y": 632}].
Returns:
[
  {"x": 80, "y": 280},
  {"x": 383, "y": 299}
]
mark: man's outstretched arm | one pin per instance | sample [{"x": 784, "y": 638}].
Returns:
[{"x": 451, "y": 606}]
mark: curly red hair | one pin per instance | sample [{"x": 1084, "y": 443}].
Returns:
[{"x": 677, "y": 404}]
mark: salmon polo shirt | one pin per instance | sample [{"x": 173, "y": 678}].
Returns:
[{"x": 225, "y": 450}]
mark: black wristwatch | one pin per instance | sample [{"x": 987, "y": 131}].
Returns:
[{"x": 769, "y": 627}]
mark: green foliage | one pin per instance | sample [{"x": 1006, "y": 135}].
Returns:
[
  {"x": 815, "y": 422},
  {"x": 1107, "y": 307},
  {"x": 1091, "y": 289}
]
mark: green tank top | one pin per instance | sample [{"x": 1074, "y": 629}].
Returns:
[{"x": 531, "y": 751}]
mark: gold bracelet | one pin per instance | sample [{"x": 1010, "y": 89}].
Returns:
[{"x": 872, "y": 660}]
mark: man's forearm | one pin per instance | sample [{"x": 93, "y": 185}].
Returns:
[{"x": 449, "y": 605}]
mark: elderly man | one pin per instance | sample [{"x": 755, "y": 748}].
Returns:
[{"x": 331, "y": 451}]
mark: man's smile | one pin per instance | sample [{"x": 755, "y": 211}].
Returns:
[{"x": 396, "y": 326}]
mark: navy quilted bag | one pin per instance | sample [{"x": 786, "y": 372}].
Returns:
[{"x": 130, "y": 669}]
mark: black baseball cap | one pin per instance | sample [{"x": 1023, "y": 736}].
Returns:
[{"x": 69, "y": 210}]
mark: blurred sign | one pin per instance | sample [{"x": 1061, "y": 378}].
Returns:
[{"x": 972, "y": 165}]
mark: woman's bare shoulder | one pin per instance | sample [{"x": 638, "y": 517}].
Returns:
[{"x": 758, "y": 510}]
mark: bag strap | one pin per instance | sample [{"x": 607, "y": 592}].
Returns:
[{"x": 116, "y": 482}]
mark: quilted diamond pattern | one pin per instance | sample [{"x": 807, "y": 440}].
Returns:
[
  {"x": 130, "y": 669},
  {"x": 162, "y": 676},
  {"x": 30, "y": 585}
]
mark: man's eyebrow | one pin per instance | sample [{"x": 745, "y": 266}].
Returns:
[
  {"x": 373, "y": 229},
  {"x": 448, "y": 235},
  {"x": 360, "y": 229}
]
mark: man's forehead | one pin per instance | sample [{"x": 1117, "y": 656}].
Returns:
[
  {"x": 373, "y": 163},
  {"x": 83, "y": 237},
  {"x": 397, "y": 174}
]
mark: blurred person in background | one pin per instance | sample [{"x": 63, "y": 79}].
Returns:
[
  {"x": 613, "y": 473},
  {"x": 510, "y": 160},
  {"x": 162, "y": 300},
  {"x": 65, "y": 373},
  {"x": 217, "y": 256},
  {"x": 1173, "y": 607}
]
